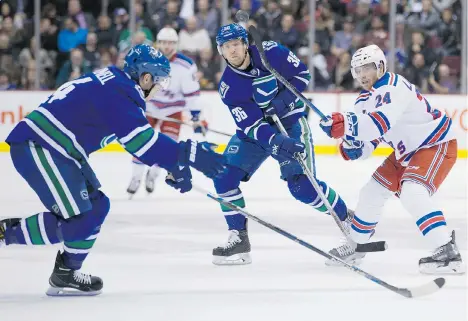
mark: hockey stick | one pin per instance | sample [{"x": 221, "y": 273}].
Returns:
[
  {"x": 413, "y": 292},
  {"x": 177, "y": 121},
  {"x": 372, "y": 246},
  {"x": 367, "y": 247}
]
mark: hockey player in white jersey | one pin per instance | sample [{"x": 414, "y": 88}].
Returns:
[
  {"x": 182, "y": 95},
  {"x": 390, "y": 109}
]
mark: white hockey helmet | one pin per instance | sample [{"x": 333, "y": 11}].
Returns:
[
  {"x": 366, "y": 55},
  {"x": 167, "y": 34}
]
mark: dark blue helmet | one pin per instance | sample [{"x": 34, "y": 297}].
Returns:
[
  {"x": 230, "y": 32},
  {"x": 143, "y": 59}
]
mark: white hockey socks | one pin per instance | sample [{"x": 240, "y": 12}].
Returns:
[
  {"x": 372, "y": 198},
  {"x": 429, "y": 218}
]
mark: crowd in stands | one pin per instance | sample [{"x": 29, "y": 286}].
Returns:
[{"x": 78, "y": 36}]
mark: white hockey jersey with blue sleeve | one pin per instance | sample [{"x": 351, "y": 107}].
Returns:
[{"x": 395, "y": 112}]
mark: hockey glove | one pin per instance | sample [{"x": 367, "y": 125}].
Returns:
[
  {"x": 353, "y": 151},
  {"x": 333, "y": 126},
  {"x": 199, "y": 126},
  {"x": 284, "y": 146},
  {"x": 202, "y": 157},
  {"x": 282, "y": 104},
  {"x": 180, "y": 178}
]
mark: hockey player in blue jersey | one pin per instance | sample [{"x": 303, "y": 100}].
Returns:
[
  {"x": 50, "y": 149},
  {"x": 253, "y": 95}
]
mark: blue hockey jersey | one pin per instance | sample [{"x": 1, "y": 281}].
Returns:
[
  {"x": 246, "y": 92},
  {"x": 86, "y": 114}
]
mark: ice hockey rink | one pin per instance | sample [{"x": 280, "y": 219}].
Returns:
[{"x": 154, "y": 255}]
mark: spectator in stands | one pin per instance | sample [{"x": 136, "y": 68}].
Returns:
[
  {"x": 17, "y": 36},
  {"x": 6, "y": 11},
  {"x": 417, "y": 73},
  {"x": 441, "y": 5},
  {"x": 120, "y": 60},
  {"x": 419, "y": 45},
  {"x": 343, "y": 38},
  {"x": 384, "y": 13},
  {"x": 444, "y": 83},
  {"x": 106, "y": 35},
  {"x": 249, "y": 6},
  {"x": 192, "y": 39},
  {"x": 125, "y": 36},
  {"x": 356, "y": 42},
  {"x": 449, "y": 33},
  {"x": 341, "y": 74},
  {"x": 49, "y": 35},
  {"x": 28, "y": 54},
  {"x": 6, "y": 57},
  {"x": 90, "y": 50},
  {"x": 71, "y": 36},
  {"x": 143, "y": 18},
  {"x": 269, "y": 19},
  {"x": 322, "y": 33},
  {"x": 362, "y": 17},
  {"x": 50, "y": 11},
  {"x": 322, "y": 77},
  {"x": 208, "y": 69},
  {"x": 208, "y": 17},
  {"x": 170, "y": 17},
  {"x": 85, "y": 20},
  {"x": 428, "y": 19},
  {"x": 28, "y": 79},
  {"x": 121, "y": 21},
  {"x": 377, "y": 35},
  {"x": 287, "y": 34},
  {"x": 105, "y": 59},
  {"x": 73, "y": 68},
  {"x": 5, "y": 83}
]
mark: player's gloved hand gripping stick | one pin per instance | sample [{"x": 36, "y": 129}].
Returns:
[{"x": 368, "y": 247}]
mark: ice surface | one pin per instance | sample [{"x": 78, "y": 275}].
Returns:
[{"x": 154, "y": 254}]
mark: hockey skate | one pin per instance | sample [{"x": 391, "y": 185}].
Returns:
[
  {"x": 445, "y": 260},
  {"x": 67, "y": 282},
  {"x": 236, "y": 251},
  {"x": 133, "y": 187},
  {"x": 347, "y": 250},
  {"x": 151, "y": 177}
]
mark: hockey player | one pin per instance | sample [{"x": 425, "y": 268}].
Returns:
[
  {"x": 253, "y": 95},
  {"x": 182, "y": 94},
  {"x": 390, "y": 109},
  {"x": 50, "y": 149}
]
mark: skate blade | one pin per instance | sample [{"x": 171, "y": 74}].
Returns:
[
  {"x": 54, "y": 291},
  {"x": 353, "y": 260},
  {"x": 236, "y": 259},
  {"x": 455, "y": 267}
]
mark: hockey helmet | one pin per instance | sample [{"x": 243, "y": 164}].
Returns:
[
  {"x": 167, "y": 34},
  {"x": 366, "y": 55},
  {"x": 230, "y": 32},
  {"x": 142, "y": 59}
]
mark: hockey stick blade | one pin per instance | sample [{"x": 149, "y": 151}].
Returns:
[
  {"x": 422, "y": 290},
  {"x": 378, "y": 246}
]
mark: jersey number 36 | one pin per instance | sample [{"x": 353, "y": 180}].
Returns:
[{"x": 239, "y": 114}]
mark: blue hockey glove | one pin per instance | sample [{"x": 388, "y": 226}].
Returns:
[
  {"x": 282, "y": 104},
  {"x": 352, "y": 152},
  {"x": 202, "y": 157},
  {"x": 199, "y": 126},
  {"x": 180, "y": 178},
  {"x": 284, "y": 146}
]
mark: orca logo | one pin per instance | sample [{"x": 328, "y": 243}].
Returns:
[{"x": 233, "y": 149}]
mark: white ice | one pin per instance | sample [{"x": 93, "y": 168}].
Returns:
[{"x": 154, "y": 254}]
